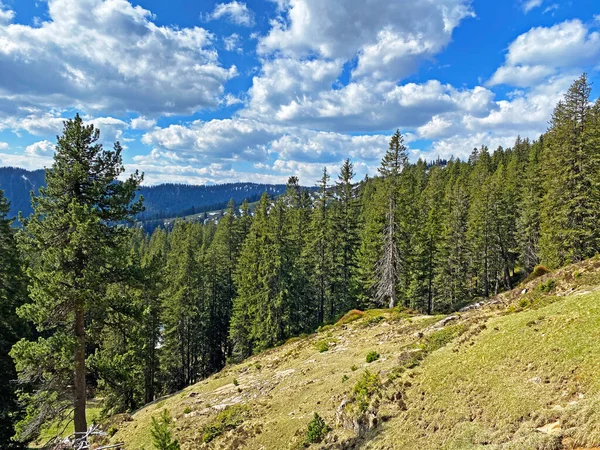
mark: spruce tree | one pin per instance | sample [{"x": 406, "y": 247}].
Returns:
[
  {"x": 389, "y": 263},
  {"x": 571, "y": 205},
  {"x": 319, "y": 251},
  {"x": 345, "y": 237}
]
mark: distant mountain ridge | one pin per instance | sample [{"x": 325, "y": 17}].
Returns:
[{"x": 161, "y": 201}]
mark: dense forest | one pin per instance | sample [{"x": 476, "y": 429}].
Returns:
[{"x": 91, "y": 307}]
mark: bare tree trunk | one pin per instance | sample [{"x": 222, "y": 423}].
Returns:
[{"x": 80, "y": 391}]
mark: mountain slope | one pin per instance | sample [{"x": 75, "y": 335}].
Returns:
[
  {"x": 519, "y": 372},
  {"x": 164, "y": 201}
]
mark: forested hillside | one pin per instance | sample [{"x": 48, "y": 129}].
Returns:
[
  {"x": 163, "y": 201},
  {"x": 128, "y": 317}
]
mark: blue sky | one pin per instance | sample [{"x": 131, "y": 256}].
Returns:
[{"x": 210, "y": 92}]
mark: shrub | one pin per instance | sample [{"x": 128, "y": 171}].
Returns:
[
  {"x": 365, "y": 388},
  {"x": 187, "y": 410},
  {"x": 354, "y": 368},
  {"x": 235, "y": 382},
  {"x": 345, "y": 378},
  {"x": 537, "y": 272},
  {"x": 322, "y": 346},
  {"x": 226, "y": 420},
  {"x": 547, "y": 286},
  {"x": 372, "y": 356},
  {"x": 317, "y": 429},
  {"x": 372, "y": 321},
  {"x": 161, "y": 433}
]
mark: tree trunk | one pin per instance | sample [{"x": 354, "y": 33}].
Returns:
[{"x": 80, "y": 391}]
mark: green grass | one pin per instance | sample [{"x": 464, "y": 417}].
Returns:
[
  {"x": 92, "y": 413},
  {"x": 484, "y": 381},
  {"x": 523, "y": 371}
]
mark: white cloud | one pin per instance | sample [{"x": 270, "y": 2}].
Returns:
[
  {"x": 142, "y": 123},
  {"x": 107, "y": 55},
  {"x": 312, "y": 42},
  {"x": 367, "y": 107},
  {"x": 25, "y": 161},
  {"x": 3, "y": 145},
  {"x": 528, "y": 5},
  {"x": 274, "y": 151},
  {"x": 239, "y": 139},
  {"x": 436, "y": 127},
  {"x": 36, "y": 124},
  {"x": 40, "y": 149},
  {"x": 232, "y": 42},
  {"x": 341, "y": 29},
  {"x": 6, "y": 14},
  {"x": 236, "y": 12},
  {"x": 544, "y": 51}
]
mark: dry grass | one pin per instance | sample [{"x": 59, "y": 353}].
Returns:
[{"x": 484, "y": 380}]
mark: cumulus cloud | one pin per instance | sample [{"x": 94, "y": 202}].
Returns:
[
  {"x": 543, "y": 51},
  {"x": 273, "y": 150},
  {"x": 236, "y": 12},
  {"x": 340, "y": 29},
  {"x": 369, "y": 107},
  {"x": 40, "y": 149},
  {"x": 312, "y": 42},
  {"x": 142, "y": 123},
  {"x": 6, "y": 14},
  {"x": 3, "y": 145},
  {"x": 239, "y": 139},
  {"x": 108, "y": 55}
]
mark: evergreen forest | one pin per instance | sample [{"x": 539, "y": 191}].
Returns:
[{"x": 91, "y": 307}]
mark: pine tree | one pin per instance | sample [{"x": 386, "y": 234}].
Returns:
[
  {"x": 76, "y": 251},
  {"x": 250, "y": 283},
  {"x": 299, "y": 314},
  {"x": 184, "y": 311},
  {"x": 426, "y": 241}
]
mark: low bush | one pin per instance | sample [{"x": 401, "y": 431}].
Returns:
[
  {"x": 317, "y": 430},
  {"x": 547, "y": 286},
  {"x": 372, "y": 356},
  {"x": 228, "y": 419},
  {"x": 365, "y": 389},
  {"x": 161, "y": 433},
  {"x": 322, "y": 346}
]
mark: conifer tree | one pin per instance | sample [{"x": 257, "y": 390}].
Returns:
[
  {"x": 389, "y": 263},
  {"x": 319, "y": 251},
  {"x": 571, "y": 204},
  {"x": 451, "y": 276},
  {"x": 76, "y": 251},
  {"x": 345, "y": 239},
  {"x": 529, "y": 209},
  {"x": 12, "y": 295}
]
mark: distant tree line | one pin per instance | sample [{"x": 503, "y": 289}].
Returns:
[{"x": 129, "y": 316}]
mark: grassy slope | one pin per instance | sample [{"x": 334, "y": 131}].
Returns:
[{"x": 524, "y": 362}]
